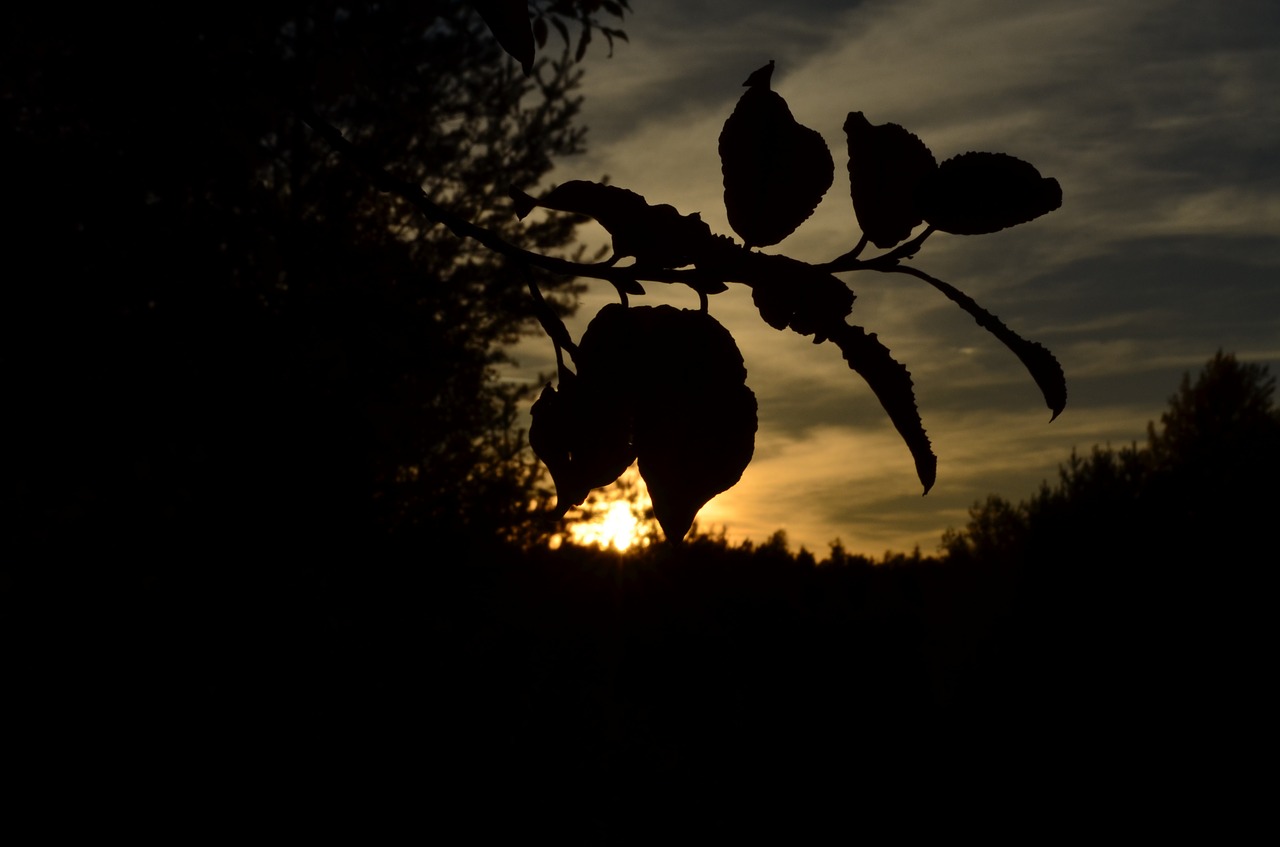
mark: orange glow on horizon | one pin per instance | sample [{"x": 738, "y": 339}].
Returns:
[
  {"x": 615, "y": 517},
  {"x": 615, "y": 527}
]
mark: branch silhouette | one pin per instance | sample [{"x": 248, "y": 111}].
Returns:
[{"x": 775, "y": 172}]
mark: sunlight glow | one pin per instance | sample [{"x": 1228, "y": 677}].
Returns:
[
  {"x": 615, "y": 527},
  {"x": 618, "y": 516}
]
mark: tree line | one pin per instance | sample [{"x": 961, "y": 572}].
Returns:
[{"x": 227, "y": 360}]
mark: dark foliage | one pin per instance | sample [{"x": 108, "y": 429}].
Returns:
[
  {"x": 1140, "y": 617},
  {"x": 236, "y": 366},
  {"x": 656, "y": 384},
  {"x": 1190, "y": 490},
  {"x": 776, "y": 171},
  {"x": 214, "y": 336}
]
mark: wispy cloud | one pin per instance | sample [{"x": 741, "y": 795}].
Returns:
[{"x": 1156, "y": 118}]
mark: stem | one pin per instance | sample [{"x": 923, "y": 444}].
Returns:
[
  {"x": 850, "y": 262},
  {"x": 551, "y": 324}
]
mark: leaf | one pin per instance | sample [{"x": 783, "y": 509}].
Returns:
[
  {"x": 583, "y": 41},
  {"x": 891, "y": 383},
  {"x": 775, "y": 170},
  {"x": 609, "y": 352},
  {"x": 977, "y": 193},
  {"x": 585, "y": 432},
  {"x": 695, "y": 416},
  {"x": 794, "y": 294},
  {"x": 540, "y": 31},
  {"x": 677, "y": 380},
  {"x": 550, "y": 437},
  {"x": 655, "y": 235},
  {"x": 1039, "y": 362},
  {"x": 508, "y": 20},
  {"x": 583, "y": 435},
  {"x": 886, "y": 164},
  {"x": 562, "y": 29}
]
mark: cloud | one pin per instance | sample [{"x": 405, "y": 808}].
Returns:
[
  {"x": 1154, "y": 116},
  {"x": 860, "y": 485}
]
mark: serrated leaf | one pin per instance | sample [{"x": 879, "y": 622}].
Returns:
[
  {"x": 891, "y": 383},
  {"x": 583, "y": 434},
  {"x": 587, "y": 427},
  {"x": 794, "y": 294},
  {"x": 550, "y": 437},
  {"x": 1039, "y": 362},
  {"x": 886, "y": 165},
  {"x": 695, "y": 417},
  {"x": 508, "y": 20},
  {"x": 978, "y": 193},
  {"x": 655, "y": 235},
  {"x": 775, "y": 170},
  {"x": 609, "y": 352}
]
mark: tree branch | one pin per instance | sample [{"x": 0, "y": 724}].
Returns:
[
  {"x": 850, "y": 261},
  {"x": 460, "y": 226}
]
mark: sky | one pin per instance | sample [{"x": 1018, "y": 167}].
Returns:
[{"x": 1157, "y": 117}]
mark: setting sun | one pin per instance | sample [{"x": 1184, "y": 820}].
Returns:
[
  {"x": 615, "y": 516},
  {"x": 615, "y": 527}
]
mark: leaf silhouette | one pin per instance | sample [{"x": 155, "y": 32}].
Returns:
[
  {"x": 508, "y": 20},
  {"x": 886, "y": 164},
  {"x": 977, "y": 193},
  {"x": 1040, "y": 363},
  {"x": 655, "y": 235},
  {"x": 611, "y": 350},
  {"x": 695, "y": 417},
  {"x": 583, "y": 434},
  {"x": 775, "y": 169},
  {"x": 551, "y": 438},
  {"x": 791, "y": 293},
  {"x": 664, "y": 385},
  {"x": 891, "y": 383}
]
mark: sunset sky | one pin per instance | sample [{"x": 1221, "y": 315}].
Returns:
[{"x": 1159, "y": 120}]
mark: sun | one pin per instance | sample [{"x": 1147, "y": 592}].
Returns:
[
  {"x": 613, "y": 517},
  {"x": 614, "y": 527}
]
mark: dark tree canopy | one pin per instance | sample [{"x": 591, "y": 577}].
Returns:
[
  {"x": 1134, "y": 620},
  {"x": 1199, "y": 487},
  {"x": 320, "y": 346},
  {"x": 1225, "y": 422},
  {"x": 210, "y": 328}
]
